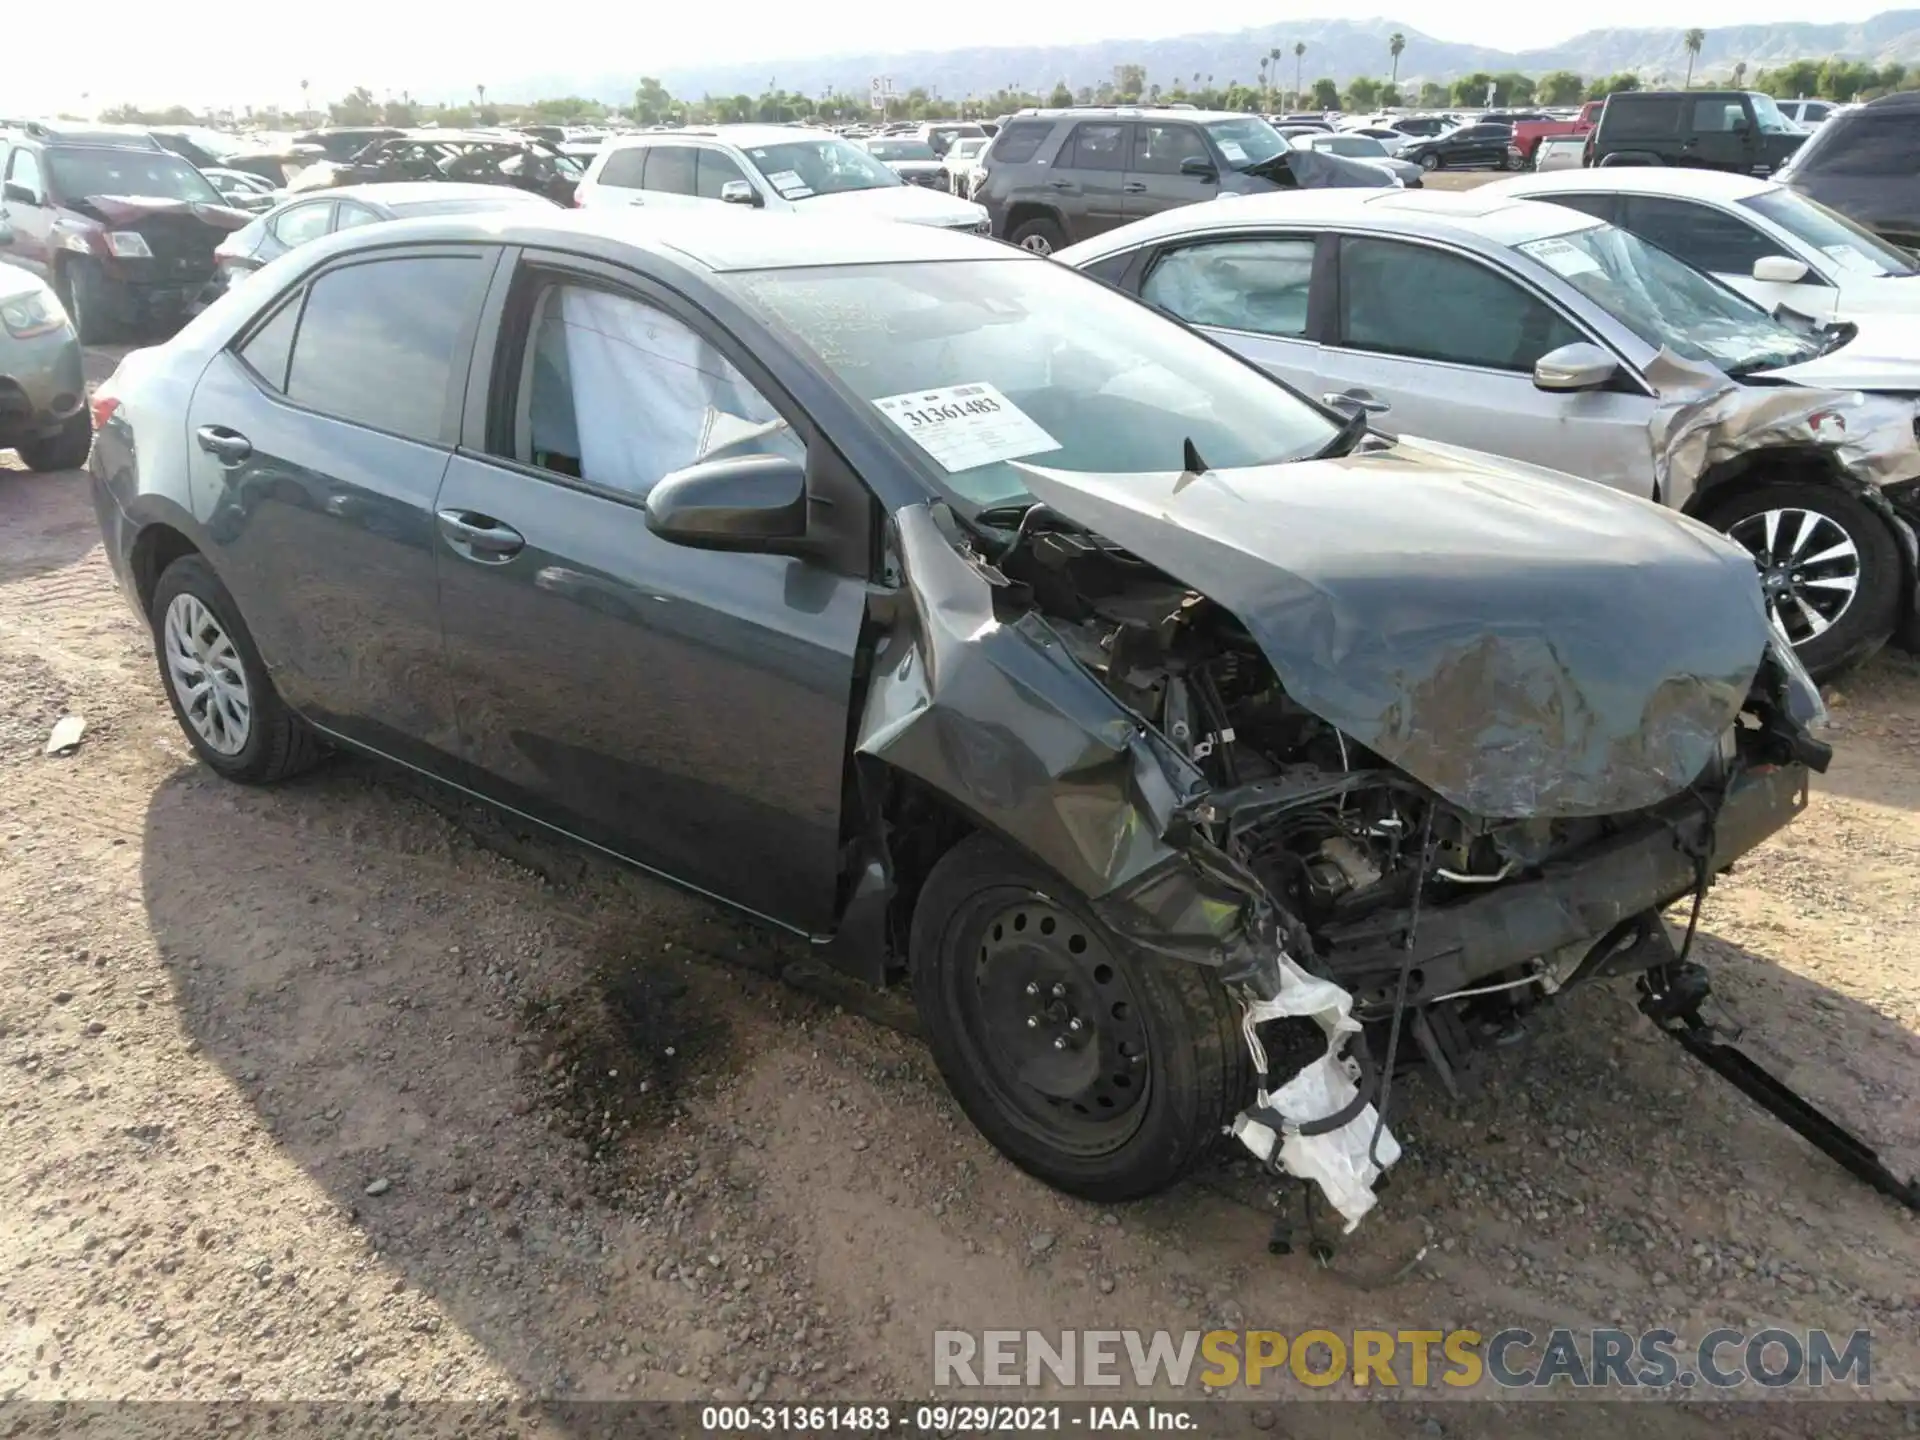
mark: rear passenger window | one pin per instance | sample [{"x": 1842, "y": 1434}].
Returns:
[
  {"x": 379, "y": 341},
  {"x": 1098, "y": 147},
  {"x": 1258, "y": 285},
  {"x": 670, "y": 169},
  {"x": 623, "y": 168},
  {"x": 268, "y": 349},
  {"x": 302, "y": 223},
  {"x": 619, "y": 393},
  {"x": 1019, "y": 141},
  {"x": 1411, "y": 300}
]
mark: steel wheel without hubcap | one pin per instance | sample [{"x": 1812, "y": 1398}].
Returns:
[
  {"x": 1058, "y": 1028},
  {"x": 207, "y": 677},
  {"x": 1809, "y": 568}
]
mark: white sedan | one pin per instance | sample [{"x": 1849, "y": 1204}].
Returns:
[{"x": 1772, "y": 244}]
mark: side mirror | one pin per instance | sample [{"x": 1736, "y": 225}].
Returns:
[
  {"x": 1350, "y": 402},
  {"x": 754, "y": 503},
  {"x": 1579, "y": 366},
  {"x": 20, "y": 194},
  {"x": 1199, "y": 167},
  {"x": 1779, "y": 270},
  {"x": 739, "y": 192}
]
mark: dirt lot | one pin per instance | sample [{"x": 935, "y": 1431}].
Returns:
[{"x": 343, "y": 1091}]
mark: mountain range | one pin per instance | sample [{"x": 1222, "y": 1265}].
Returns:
[{"x": 1342, "y": 49}]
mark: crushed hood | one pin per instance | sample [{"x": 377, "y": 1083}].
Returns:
[
  {"x": 132, "y": 209},
  {"x": 1522, "y": 642},
  {"x": 1884, "y": 355}
]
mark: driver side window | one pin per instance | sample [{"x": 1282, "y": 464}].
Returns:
[
  {"x": 619, "y": 393},
  {"x": 1428, "y": 304}
]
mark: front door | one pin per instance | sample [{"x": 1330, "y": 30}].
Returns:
[
  {"x": 1451, "y": 344},
  {"x": 1155, "y": 181},
  {"x": 317, "y": 443},
  {"x": 685, "y": 709}
]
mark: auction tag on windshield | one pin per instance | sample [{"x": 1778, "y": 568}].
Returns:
[
  {"x": 1563, "y": 259},
  {"x": 1851, "y": 259},
  {"x": 966, "y": 426},
  {"x": 788, "y": 182},
  {"x": 1231, "y": 149}
]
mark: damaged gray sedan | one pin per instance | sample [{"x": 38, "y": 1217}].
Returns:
[{"x": 1201, "y": 757}]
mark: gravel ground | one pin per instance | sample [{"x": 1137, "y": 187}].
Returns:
[{"x": 345, "y": 1091}]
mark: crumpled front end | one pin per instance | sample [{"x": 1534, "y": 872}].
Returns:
[{"x": 1338, "y": 767}]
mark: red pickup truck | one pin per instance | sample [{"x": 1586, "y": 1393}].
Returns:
[{"x": 1528, "y": 134}]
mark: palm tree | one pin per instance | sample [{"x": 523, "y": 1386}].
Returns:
[
  {"x": 1299, "y": 61},
  {"x": 1273, "y": 61},
  {"x": 1740, "y": 75},
  {"x": 1693, "y": 40},
  {"x": 1266, "y": 96},
  {"x": 481, "y": 91},
  {"x": 1396, "y": 42},
  {"x": 305, "y": 108}
]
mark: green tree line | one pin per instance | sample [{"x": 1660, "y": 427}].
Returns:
[{"x": 1269, "y": 90}]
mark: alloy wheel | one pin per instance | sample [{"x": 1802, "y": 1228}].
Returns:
[
  {"x": 1038, "y": 244},
  {"x": 1809, "y": 568},
  {"x": 1060, "y": 1030},
  {"x": 207, "y": 675}
]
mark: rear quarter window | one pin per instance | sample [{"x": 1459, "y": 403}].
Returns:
[
  {"x": 1648, "y": 118},
  {"x": 623, "y": 168},
  {"x": 1019, "y": 142},
  {"x": 1863, "y": 145}
]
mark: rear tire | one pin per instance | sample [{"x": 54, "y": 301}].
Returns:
[
  {"x": 270, "y": 743},
  {"x": 1131, "y": 1097},
  {"x": 1042, "y": 236},
  {"x": 1809, "y": 520},
  {"x": 67, "y": 450}
]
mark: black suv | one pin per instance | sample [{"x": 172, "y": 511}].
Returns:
[
  {"x": 1861, "y": 163},
  {"x": 1738, "y": 130},
  {"x": 122, "y": 228},
  {"x": 1055, "y": 177}
]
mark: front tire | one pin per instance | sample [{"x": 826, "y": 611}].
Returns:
[
  {"x": 1103, "y": 1071},
  {"x": 83, "y": 291},
  {"x": 1829, "y": 568},
  {"x": 1431, "y": 162},
  {"x": 217, "y": 684},
  {"x": 64, "y": 451}
]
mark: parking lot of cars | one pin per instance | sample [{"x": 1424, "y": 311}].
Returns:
[{"x": 1045, "y": 681}]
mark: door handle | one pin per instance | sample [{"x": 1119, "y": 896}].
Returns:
[
  {"x": 229, "y": 447},
  {"x": 1060, "y": 184},
  {"x": 480, "y": 537},
  {"x": 1135, "y": 187}
]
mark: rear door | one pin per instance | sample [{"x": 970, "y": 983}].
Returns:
[
  {"x": 618, "y": 180},
  {"x": 1155, "y": 181},
  {"x": 1450, "y": 344},
  {"x": 671, "y": 178},
  {"x": 28, "y": 211},
  {"x": 317, "y": 442},
  {"x": 1090, "y": 178},
  {"x": 686, "y": 709}
]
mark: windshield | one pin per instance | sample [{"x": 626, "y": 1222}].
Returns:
[
  {"x": 1246, "y": 143},
  {"x": 1767, "y": 116},
  {"x": 1845, "y": 243},
  {"x": 1668, "y": 303},
  {"x": 820, "y": 167},
  {"x": 991, "y": 361},
  {"x": 1350, "y": 145},
  {"x": 900, "y": 150},
  {"x": 155, "y": 174}
]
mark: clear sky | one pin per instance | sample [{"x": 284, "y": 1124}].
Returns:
[{"x": 139, "y": 51}]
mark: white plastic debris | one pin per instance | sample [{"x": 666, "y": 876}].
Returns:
[
  {"x": 66, "y": 735},
  {"x": 1339, "y": 1161}
]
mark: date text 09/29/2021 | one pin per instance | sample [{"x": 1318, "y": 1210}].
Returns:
[{"x": 949, "y": 1419}]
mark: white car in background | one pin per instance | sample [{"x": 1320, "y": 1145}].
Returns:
[
  {"x": 962, "y": 155},
  {"x": 775, "y": 168},
  {"x": 1809, "y": 113},
  {"x": 1538, "y": 333},
  {"x": 1769, "y": 242}
]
